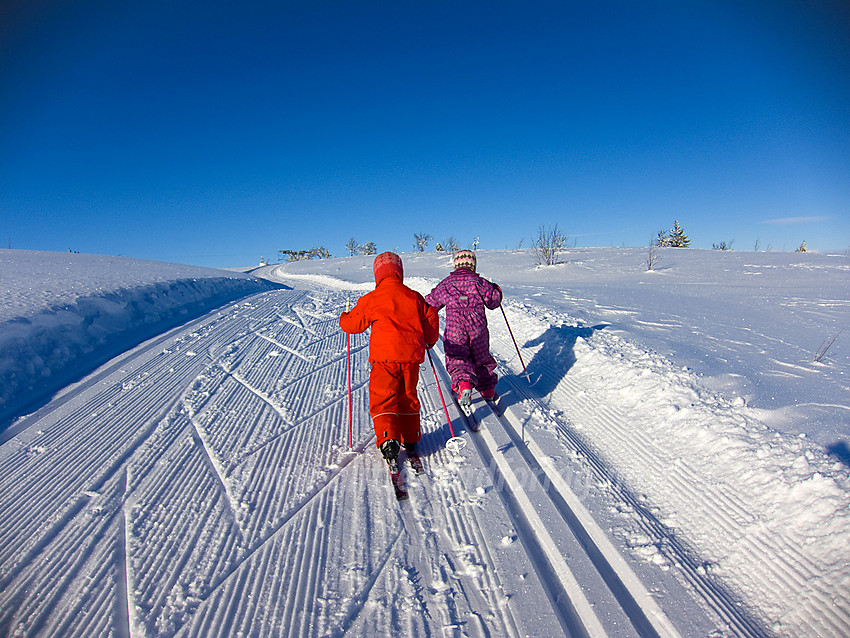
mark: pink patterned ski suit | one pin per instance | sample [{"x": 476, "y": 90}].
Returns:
[{"x": 466, "y": 339}]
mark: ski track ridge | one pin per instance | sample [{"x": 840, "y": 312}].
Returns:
[
  {"x": 723, "y": 602},
  {"x": 212, "y": 431},
  {"x": 788, "y": 568},
  {"x": 574, "y": 400},
  {"x": 432, "y": 500}
]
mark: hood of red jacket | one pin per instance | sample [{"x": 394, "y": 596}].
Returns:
[{"x": 387, "y": 264}]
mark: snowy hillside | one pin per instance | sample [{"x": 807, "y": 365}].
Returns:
[
  {"x": 61, "y": 313},
  {"x": 673, "y": 462}
]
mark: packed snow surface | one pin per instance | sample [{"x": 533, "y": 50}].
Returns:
[{"x": 668, "y": 456}]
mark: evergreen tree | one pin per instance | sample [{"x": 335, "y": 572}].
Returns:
[
  {"x": 678, "y": 238},
  {"x": 662, "y": 240},
  {"x": 368, "y": 248}
]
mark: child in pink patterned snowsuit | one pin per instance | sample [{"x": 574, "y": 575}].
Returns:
[{"x": 466, "y": 339}]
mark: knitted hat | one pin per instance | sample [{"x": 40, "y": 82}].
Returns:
[
  {"x": 387, "y": 264},
  {"x": 465, "y": 259}
]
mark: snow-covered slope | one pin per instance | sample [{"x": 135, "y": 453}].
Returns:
[
  {"x": 61, "y": 313},
  {"x": 653, "y": 471}
]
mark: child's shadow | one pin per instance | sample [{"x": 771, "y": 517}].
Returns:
[{"x": 553, "y": 361}]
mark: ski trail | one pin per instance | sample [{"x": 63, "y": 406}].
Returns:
[
  {"x": 215, "y": 468},
  {"x": 576, "y": 410},
  {"x": 291, "y": 351},
  {"x": 358, "y": 601},
  {"x": 217, "y": 495},
  {"x": 582, "y": 408}
]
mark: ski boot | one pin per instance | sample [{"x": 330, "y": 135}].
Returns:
[
  {"x": 389, "y": 450},
  {"x": 414, "y": 458},
  {"x": 465, "y": 396}
]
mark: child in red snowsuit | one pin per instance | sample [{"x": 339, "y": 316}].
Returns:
[
  {"x": 403, "y": 326},
  {"x": 466, "y": 340}
]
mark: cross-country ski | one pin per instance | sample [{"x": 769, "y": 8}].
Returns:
[
  {"x": 416, "y": 462},
  {"x": 397, "y": 481}
]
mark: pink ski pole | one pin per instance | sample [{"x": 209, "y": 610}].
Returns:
[{"x": 454, "y": 442}]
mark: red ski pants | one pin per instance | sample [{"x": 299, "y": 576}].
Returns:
[{"x": 393, "y": 402}]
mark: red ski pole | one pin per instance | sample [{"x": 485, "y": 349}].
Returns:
[
  {"x": 515, "y": 344},
  {"x": 456, "y": 442}
]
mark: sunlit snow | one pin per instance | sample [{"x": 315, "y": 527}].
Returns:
[{"x": 195, "y": 477}]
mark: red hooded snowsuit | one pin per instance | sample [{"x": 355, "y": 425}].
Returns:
[{"x": 403, "y": 326}]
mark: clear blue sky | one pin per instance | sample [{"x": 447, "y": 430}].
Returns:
[{"x": 215, "y": 132}]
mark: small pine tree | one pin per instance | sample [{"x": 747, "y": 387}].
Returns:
[
  {"x": 678, "y": 238},
  {"x": 802, "y": 248},
  {"x": 351, "y": 246},
  {"x": 368, "y": 248},
  {"x": 662, "y": 240}
]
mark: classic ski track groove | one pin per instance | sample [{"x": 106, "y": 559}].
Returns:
[
  {"x": 724, "y": 603},
  {"x": 788, "y": 568},
  {"x": 232, "y": 496},
  {"x": 462, "y": 532},
  {"x": 575, "y": 612},
  {"x": 175, "y": 473},
  {"x": 639, "y": 605}
]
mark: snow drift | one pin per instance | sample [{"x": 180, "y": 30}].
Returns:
[{"x": 64, "y": 313}]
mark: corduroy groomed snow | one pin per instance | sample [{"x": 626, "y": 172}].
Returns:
[
  {"x": 465, "y": 259},
  {"x": 387, "y": 264}
]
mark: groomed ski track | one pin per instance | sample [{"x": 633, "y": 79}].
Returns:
[{"x": 202, "y": 485}]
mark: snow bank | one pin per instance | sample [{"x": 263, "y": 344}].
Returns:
[{"x": 62, "y": 314}]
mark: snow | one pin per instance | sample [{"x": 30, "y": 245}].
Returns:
[
  {"x": 62, "y": 312},
  {"x": 673, "y": 460}
]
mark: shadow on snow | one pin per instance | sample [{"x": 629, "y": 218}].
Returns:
[{"x": 553, "y": 361}]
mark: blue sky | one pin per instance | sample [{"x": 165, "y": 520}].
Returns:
[{"x": 214, "y": 132}]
